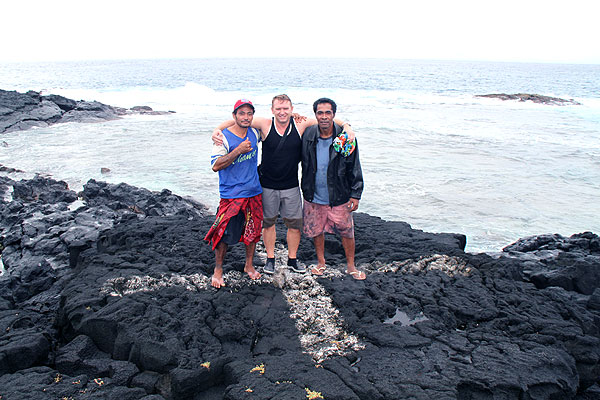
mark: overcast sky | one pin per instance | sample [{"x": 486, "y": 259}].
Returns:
[{"x": 507, "y": 30}]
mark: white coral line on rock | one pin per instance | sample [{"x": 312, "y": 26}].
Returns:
[
  {"x": 321, "y": 328},
  {"x": 319, "y": 324},
  {"x": 450, "y": 265}
]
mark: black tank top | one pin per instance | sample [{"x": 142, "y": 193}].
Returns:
[{"x": 279, "y": 170}]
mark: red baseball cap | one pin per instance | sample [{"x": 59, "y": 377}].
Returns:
[{"x": 242, "y": 102}]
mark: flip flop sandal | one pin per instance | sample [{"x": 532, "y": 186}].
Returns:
[
  {"x": 318, "y": 270},
  {"x": 358, "y": 275}
]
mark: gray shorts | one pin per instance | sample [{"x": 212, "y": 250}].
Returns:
[{"x": 287, "y": 203}]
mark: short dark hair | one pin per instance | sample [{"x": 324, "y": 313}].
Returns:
[
  {"x": 325, "y": 100},
  {"x": 281, "y": 97}
]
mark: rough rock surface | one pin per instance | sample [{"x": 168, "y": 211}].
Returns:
[
  {"x": 110, "y": 298},
  {"x": 553, "y": 260},
  {"x": 536, "y": 98},
  {"x": 20, "y": 111}
]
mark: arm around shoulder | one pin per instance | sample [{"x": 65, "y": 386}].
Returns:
[
  {"x": 263, "y": 125},
  {"x": 347, "y": 128},
  {"x": 217, "y": 135},
  {"x": 305, "y": 124}
]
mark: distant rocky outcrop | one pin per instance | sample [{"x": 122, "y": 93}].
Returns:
[
  {"x": 536, "y": 98},
  {"x": 20, "y": 111},
  {"x": 106, "y": 294},
  {"x": 572, "y": 263}
]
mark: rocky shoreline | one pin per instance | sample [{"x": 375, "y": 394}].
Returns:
[
  {"x": 535, "y": 98},
  {"x": 105, "y": 294},
  {"x": 21, "y": 111}
]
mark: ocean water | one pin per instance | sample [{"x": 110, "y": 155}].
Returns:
[{"x": 432, "y": 153}]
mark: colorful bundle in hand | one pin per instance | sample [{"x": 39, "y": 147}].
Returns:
[{"x": 342, "y": 145}]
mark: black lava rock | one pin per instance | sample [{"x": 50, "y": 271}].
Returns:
[
  {"x": 112, "y": 299},
  {"x": 20, "y": 111}
]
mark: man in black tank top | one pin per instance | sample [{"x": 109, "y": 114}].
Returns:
[{"x": 278, "y": 171}]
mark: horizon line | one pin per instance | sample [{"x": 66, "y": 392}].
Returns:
[{"x": 68, "y": 60}]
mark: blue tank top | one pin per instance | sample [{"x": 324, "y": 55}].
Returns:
[{"x": 240, "y": 179}]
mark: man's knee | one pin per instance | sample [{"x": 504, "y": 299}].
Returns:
[
  {"x": 269, "y": 222},
  {"x": 348, "y": 239},
  {"x": 347, "y": 234},
  {"x": 293, "y": 223}
]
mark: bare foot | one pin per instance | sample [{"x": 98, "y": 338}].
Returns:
[
  {"x": 318, "y": 270},
  {"x": 252, "y": 273},
  {"x": 217, "y": 280}
]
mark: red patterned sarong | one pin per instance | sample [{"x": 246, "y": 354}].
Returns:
[{"x": 228, "y": 208}]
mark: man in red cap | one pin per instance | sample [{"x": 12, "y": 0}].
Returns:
[{"x": 240, "y": 214}]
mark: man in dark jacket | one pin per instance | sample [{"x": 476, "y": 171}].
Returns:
[{"x": 332, "y": 184}]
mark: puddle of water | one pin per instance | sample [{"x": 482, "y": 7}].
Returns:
[{"x": 404, "y": 319}]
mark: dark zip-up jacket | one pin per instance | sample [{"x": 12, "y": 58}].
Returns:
[{"x": 344, "y": 174}]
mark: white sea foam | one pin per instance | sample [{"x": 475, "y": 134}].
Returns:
[
  {"x": 161, "y": 99},
  {"x": 433, "y": 154}
]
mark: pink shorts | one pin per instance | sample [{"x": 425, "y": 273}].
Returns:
[{"x": 319, "y": 218}]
